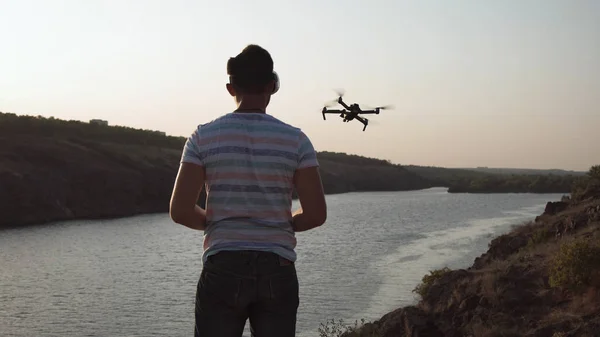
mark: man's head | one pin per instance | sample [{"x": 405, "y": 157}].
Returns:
[{"x": 251, "y": 74}]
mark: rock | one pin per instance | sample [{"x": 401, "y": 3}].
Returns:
[
  {"x": 500, "y": 248},
  {"x": 469, "y": 303},
  {"x": 407, "y": 322},
  {"x": 554, "y": 207}
]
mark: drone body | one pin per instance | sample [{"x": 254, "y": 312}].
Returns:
[{"x": 351, "y": 112}]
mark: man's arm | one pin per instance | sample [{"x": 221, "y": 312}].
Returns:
[
  {"x": 313, "y": 208},
  {"x": 183, "y": 208}
]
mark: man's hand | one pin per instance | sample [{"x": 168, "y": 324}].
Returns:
[
  {"x": 183, "y": 207},
  {"x": 313, "y": 211}
]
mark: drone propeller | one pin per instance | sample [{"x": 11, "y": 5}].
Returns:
[
  {"x": 340, "y": 92},
  {"x": 331, "y": 103},
  {"x": 385, "y": 107}
]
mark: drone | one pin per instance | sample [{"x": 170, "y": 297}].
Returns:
[{"x": 351, "y": 111}]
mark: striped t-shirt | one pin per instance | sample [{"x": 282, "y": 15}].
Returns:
[{"x": 250, "y": 160}]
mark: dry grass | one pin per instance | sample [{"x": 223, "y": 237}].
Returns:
[
  {"x": 587, "y": 302},
  {"x": 481, "y": 330}
]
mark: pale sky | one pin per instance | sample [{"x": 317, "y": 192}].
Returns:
[{"x": 475, "y": 83}]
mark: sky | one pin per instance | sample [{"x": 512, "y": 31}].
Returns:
[{"x": 474, "y": 83}]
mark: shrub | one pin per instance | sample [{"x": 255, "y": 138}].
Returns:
[
  {"x": 540, "y": 235},
  {"x": 333, "y": 328},
  {"x": 594, "y": 172},
  {"x": 423, "y": 288},
  {"x": 588, "y": 185},
  {"x": 574, "y": 264}
]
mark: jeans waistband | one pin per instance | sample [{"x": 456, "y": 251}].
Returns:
[{"x": 249, "y": 256}]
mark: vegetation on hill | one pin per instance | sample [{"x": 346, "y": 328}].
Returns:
[
  {"x": 57, "y": 170},
  {"x": 517, "y": 183},
  {"x": 52, "y": 169},
  {"x": 473, "y": 181},
  {"x": 38, "y": 126},
  {"x": 526, "y": 171},
  {"x": 349, "y": 173},
  {"x": 541, "y": 280}
]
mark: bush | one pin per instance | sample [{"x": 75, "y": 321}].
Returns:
[
  {"x": 423, "y": 288},
  {"x": 594, "y": 172},
  {"x": 540, "y": 235},
  {"x": 574, "y": 265},
  {"x": 335, "y": 328},
  {"x": 588, "y": 185}
]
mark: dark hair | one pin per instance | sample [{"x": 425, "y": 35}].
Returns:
[{"x": 251, "y": 70}]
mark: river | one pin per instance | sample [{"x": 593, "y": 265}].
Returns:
[{"x": 137, "y": 276}]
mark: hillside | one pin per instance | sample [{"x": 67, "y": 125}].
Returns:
[
  {"x": 52, "y": 169},
  {"x": 477, "y": 181},
  {"x": 497, "y": 170},
  {"x": 349, "y": 173},
  {"x": 540, "y": 280}
]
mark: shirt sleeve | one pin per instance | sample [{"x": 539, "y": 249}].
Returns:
[
  {"x": 307, "y": 154},
  {"x": 191, "y": 150}
]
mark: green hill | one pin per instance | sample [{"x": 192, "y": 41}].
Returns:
[
  {"x": 526, "y": 171},
  {"x": 477, "y": 181},
  {"x": 52, "y": 169},
  {"x": 351, "y": 173}
]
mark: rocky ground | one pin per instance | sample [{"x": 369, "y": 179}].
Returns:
[{"x": 540, "y": 280}]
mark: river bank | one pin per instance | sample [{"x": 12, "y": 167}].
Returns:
[
  {"x": 54, "y": 170},
  {"x": 539, "y": 280}
]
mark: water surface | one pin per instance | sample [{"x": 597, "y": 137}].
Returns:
[{"x": 137, "y": 276}]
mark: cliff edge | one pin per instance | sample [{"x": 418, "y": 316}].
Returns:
[{"x": 541, "y": 280}]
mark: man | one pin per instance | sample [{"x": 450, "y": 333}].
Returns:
[{"x": 250, "y": 163}]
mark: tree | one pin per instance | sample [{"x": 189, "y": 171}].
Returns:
[{"x": 594, "y": 172}]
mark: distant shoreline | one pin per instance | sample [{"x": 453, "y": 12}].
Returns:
[
  {"x": 57, "y": 170},
  {"x": 131, "y": 215}
]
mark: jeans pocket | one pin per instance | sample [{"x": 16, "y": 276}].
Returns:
[
  {"x": 215, "y": 288},
  {"x": 284, "y": 287}
]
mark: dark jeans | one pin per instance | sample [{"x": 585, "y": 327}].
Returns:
[{"x": 235, "y": 286}]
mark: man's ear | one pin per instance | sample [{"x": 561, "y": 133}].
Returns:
[
  {"x": 271, "y": 87},
  {"x": 230, "y": 89}
]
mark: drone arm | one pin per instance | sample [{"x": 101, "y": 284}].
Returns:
[
  {"x": 364, "y": 121},
  {"x": 325, "y": 111},
  {"x": 344, "y": 104},
  {"x": 364, "y": 112}
]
